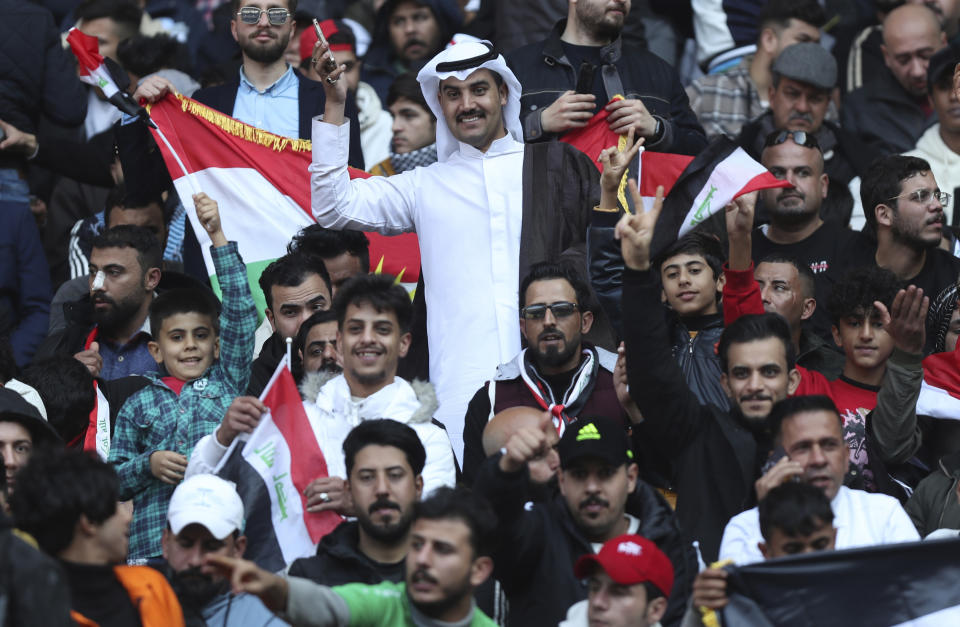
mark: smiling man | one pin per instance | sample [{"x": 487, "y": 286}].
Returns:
[
  {"x": 509, "y": 197},
  {"x": 811, "y": 433},
  {"x": 373, "y": 317}
]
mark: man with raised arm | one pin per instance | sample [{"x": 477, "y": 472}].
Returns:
[{"x": 489, "y": 209}]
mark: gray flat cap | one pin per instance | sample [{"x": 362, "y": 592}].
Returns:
[{"x": 807, "y": 63}]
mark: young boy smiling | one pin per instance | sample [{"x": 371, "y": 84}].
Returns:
[
  {"x": 201, "y": 370},
  {"x": 691, "y": 277}
]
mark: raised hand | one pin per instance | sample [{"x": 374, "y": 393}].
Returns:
[
  {"x": 208, "y": 213},
  {"x": 906, "y": 320},
  {"x": 334, "y": 89},
  {"x": 635, "y": 231},
  {"x": 614, "y": 165}
]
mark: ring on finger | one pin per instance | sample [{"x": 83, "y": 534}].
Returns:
[
  {"x": 331, "y": 80},
  {"x": 324, "y": 497}
]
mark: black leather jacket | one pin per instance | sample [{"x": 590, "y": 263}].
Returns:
[{"x": 632, "y": 72}]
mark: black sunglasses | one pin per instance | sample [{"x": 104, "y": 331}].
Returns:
[
  {"x": 538, "y": 312},
  {"x": 251, "y": 15},
  {"x": 801, "y": 138}
]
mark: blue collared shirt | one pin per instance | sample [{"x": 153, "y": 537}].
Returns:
[{"x": 275, "y": 109}]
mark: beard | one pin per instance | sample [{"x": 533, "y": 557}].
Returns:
[
  {"x": 909, "y": 236},
  {"x": 120, "y": 312},
  {"x": 385, "y": 533},
  {"x": 331, "y": 366},
  {"x": 555, "y": 356},
  {"x": 195, "y": 589},
  {"x": 792, "y": 215},
  {"x": 453, "y": 593},
  {"x": 596, "y": 20},
  {"x": 266, "y": 53}
]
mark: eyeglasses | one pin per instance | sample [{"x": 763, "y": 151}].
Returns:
[
  {"x": 559, "y": 310},
  {"x": 801, "y": 138},
  {"x": 251, "y": 15},
  {"x": 923, "y": 196}
]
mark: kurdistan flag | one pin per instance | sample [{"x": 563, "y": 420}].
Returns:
[{"x": 261, "y": 183}]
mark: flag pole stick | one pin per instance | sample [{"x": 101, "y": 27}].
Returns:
[
  {"x": 176, "y": 158},
  {"x": 289, "y": 345}
]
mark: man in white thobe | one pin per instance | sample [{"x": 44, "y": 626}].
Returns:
[{"x": 468, "y": 211}]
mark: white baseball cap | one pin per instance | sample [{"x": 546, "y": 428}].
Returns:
[{"x": 206, "y": 500}]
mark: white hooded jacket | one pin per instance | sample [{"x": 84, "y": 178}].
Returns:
[{"x": 333, "y": 413}]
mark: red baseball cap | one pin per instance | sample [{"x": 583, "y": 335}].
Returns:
[
  {"x": 628, "y": 560},
  {"x": 309, "y": 37}
]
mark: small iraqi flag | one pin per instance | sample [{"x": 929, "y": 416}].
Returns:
[
  {"x": 95, "y": 70},
  {"x": 272, "y": 468}
]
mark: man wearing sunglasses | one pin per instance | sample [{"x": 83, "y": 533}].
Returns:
[
  {"x": 558, "y": 371},
  {"x": 267, "y": 92}
]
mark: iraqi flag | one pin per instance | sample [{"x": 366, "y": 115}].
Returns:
[
  {"x": 940, "y": 390},
  {"x": 261, "y": 183},
  {"x": 695, "y": 188},
  {"x": 95, "y": 70},
  {"x": 272, "y": 468},
  {"x": 910, "y": 584}
]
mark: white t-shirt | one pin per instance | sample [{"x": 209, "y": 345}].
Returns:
[{"x": 861, "y": 519}]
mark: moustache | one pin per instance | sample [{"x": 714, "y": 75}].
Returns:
[
  {"x": 806, "y": 117},
  {"x": 414, "y": 42},
  {"x": 756, "y": 396},
  {"x": 469, "y": 114},
  {"x": 100, "y": 297},
  {"x": 383, "y": 504},
  {"x": 421, "y": 574},
  {"x": 791, "y": 193},
  {"x": 593, "y": 500},
  {"x": 551, "y": 334}
]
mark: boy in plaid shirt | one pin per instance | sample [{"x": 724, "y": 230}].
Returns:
[{"x": 204, "y": 363}]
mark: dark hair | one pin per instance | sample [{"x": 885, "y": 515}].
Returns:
[
  {"x": 324, "y": 243},
  {"x": 55, "y": 488},
  {"x": 795, "y": 508},
  {"x": 754, "y": 327},
  {"x": 125, "y": 13},
  {"x": 139, "y": 238},
  {"x": 696, "y": 243},
  {"x": 378, "y": 290},
  {"x": 317, "y": 317},
  {"x": 8, "y": 363},
  {"x": 883, "y": 182},
  {"x": 66, "y": 389},
  {"x": 778, "y": 13},
  {"x": 407, "y": 86},
  {"x": 119, "y": 198},
  {"x": 184, "y": 300},
  {"x": 808, "y": 279},
  {"x": 385, "y": 432},
  {"x": 548, "y": 270},
  {"x": 790, "y": 407},
  {"x": 235, "y": 7},
  {"x": 462, "y": 504},
  {"x": 143, "y": 55},
  {"x": 291, "y": 270},
  {"x": 855, "y": 294}
]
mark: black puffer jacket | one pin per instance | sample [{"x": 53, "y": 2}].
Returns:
[
  {"x": 36, "y": 74},
  {"x": 338, "y": 561},
  {"x": 534, "y": 562},
  {"x": 545, "y": 73},
  {"x": 697, "y": 357}
]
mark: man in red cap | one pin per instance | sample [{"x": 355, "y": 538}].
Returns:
[{"x": 628, "y": 584}]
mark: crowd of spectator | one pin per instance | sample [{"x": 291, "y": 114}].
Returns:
[{"x": 574, "y": 418}]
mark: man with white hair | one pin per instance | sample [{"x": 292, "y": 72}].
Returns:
[{"x": 485, "y": 212}]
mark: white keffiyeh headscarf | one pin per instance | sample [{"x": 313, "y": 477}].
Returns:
[{"x": 468, "y": 57}]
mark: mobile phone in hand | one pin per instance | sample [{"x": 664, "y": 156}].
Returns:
[{"x": 330, "y": 64}]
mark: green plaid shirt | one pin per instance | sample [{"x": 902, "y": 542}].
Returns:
[{"x": 156, "y": 419}]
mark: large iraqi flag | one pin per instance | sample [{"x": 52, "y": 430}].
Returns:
[
  {"x": 272, "y": 468},
  {"x": 261, "y": 183}
]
